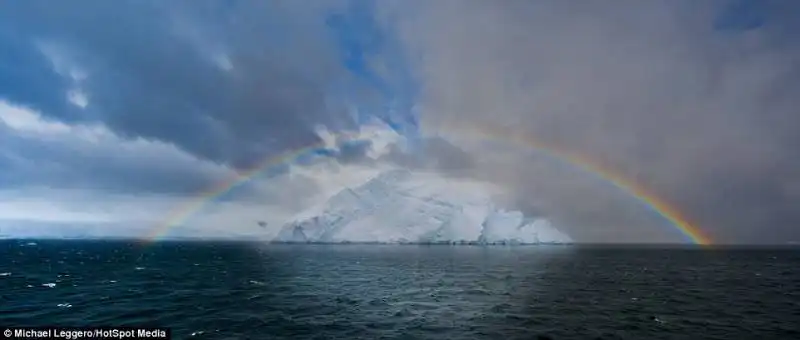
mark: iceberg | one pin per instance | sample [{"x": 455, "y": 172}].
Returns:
[{"x": 398, "y": 206}]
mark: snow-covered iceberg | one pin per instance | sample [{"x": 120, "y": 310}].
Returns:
[{"x": 399, "y": 206}]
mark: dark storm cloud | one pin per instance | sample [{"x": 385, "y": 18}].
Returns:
[
  {"x": 229, "y": 81},
  {"x": 353, "y": 151},
  {"x": 27, "y": 75},
  {"x": 234, "y": 82},
  {"x": 433, "y": 153},
  {"x": 695, "y": 100},
  {"x": 110, "y": 165}
]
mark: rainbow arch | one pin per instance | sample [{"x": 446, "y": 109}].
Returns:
[{"x": 582, "y": 162}]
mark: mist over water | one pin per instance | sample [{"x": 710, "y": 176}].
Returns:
[{"x": 687, "y": 99}]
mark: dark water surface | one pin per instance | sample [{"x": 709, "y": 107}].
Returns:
[{"x": 247, "y": 291}]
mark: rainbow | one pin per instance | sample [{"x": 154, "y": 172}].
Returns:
[
  {"x": 586, "y": 164},
  {"x": 581, "y": 162}
]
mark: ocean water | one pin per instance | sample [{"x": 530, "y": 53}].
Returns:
[{"x": 258, "y": 291}]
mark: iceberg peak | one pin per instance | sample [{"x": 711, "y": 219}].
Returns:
[{"x": 398, "y": 206}]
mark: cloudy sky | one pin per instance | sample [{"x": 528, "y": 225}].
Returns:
[{"x": 114, "y": 115}]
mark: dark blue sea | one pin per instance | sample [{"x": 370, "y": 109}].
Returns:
[{"x": 268, "y": 291}]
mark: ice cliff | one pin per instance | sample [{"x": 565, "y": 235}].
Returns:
[{"x": 398, "y": 206}]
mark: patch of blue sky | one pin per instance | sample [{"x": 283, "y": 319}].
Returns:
[
  {"x": 742, "y": 15},
  {"x": 378, "y": 68}
]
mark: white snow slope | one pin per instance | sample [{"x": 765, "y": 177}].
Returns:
[{"x": 398, "y": 206}]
